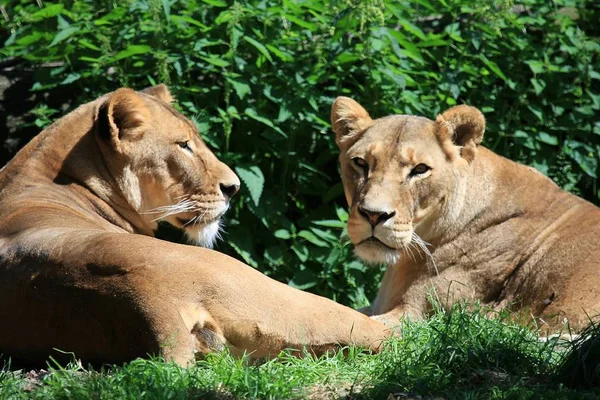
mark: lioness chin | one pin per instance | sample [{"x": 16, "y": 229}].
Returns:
[
  {"x": 447, "y": 214},
  {"x": 80, "y": 271}
]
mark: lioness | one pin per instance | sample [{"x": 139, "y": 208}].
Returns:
[
  {"x": 80, "y": 272},
  {"x": 446, "y": 213}
]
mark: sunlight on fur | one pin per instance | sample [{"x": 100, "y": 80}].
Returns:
[{"x": 204, "y": 235}]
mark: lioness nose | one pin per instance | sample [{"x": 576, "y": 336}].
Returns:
[
  {"x": 229, "y": 190},
  {"x": 375, "y": 217}
]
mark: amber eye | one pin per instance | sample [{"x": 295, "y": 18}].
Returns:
[
  {"x": 185, "y": 145},
  {"x": 419, "y": 170},
  {"x": 361, "y": 163}
]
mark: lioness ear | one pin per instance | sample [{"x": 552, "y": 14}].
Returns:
[
  {"x": 121, "y": 115},
  {"x": 160, "y": 91},
  {"x": 347, "y": 118},
  {"x": 464, "y": 126}
]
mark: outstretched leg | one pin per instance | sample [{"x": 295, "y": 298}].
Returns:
[{"x": 112, "y": 297}]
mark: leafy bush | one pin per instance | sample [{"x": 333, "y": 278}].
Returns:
[{"x": 259, "y": 77}]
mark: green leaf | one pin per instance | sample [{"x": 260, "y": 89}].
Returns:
[
  {"x": 260, "y": 47},
  {"x": 47, "y": 12},
  {"x": 547, "y": 138},
  {"x": 312, "y": 238},
  {"x": 30, "y": 39},
  {"x": 11, "y": 39},
  {"x": 251, "y": 112},
  {"x": 408, "y": 49},
  {"x": 493, "y": 67},
  {"x": 241, "y": 88},
  {"x": 89, "y": 45},
  {"x": 584, "y": 155},
  {"x": 89, "y": 59},
  {"x": 432, "y": 43},
  {"x": 301, "y": 252},
  {"x": 300, "y": 22},
  {"x": 537, "y": 67},
  {"x": 64, "y": 34},
  {"x": 253, "y": 179},
  {"x": 538, "y": 85},
  {"x": 216, "y": 3},
  {"x": 347, "y": 57},
  {"x": 189, "y": 20},
  {"x": 282, "y": 234},
  {"x": 132, "y": 51},
  {"x": 331, "y": 223},
  {"x": 304, "y": 279},
  {"x": 453, "y": 30},
  {"x": 167, "y": 9},
  {"x": 70, "y": 78},
  {"x": 413, "y": 29},
  {"x": 283, "y": 56},
  {"x": 537, "y": 112},
  {"x": 342, "y": 214},
  {"x": 241, "y": 241},
  {"x": 215, "y": 60}
]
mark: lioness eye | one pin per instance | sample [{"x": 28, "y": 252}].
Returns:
[
  {"x": 419, "y": 169},
  {"x": 185, "y": 145},
  {"x": 360, "y": 162}
]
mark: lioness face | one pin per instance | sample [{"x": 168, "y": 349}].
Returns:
[
  {"x": 167, "y": 172},
  {"x": 398, "y": 174}
]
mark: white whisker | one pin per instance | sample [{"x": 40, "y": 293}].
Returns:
[
  {"x": 423, "y": 246},
  {"x": 182, "y": 206},
  {"x": 409, "y": 249},
  {"x": 192, "y": 221}
]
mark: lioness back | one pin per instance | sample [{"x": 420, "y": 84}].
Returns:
[{"x": 446, "y": 213}]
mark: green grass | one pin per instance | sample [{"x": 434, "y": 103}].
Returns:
[{"x": 456, "y": 354}]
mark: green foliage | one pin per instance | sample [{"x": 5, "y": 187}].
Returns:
[
  {"x": 456, "y": 354},
  {"x": 581, "y": 366},
  {"x": 259, "y": 77}
]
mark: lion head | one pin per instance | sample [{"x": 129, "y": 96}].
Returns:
[
  {"x": 161, "y": 165},
  {"x": 402, "y": 174}
]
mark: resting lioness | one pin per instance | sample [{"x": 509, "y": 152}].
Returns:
[
  {"x": 445, "y": 213},
  {"x": 80, "y": 272}
]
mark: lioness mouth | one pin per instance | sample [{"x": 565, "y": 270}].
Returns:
[{"x": 374, "y": 240}]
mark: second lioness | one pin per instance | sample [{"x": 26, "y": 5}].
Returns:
[{"x": 497, "y": 231}]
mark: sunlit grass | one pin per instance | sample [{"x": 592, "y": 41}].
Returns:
[{"x": 462, "y": 353}]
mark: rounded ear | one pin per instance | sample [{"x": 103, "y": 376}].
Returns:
[
  {"x": 348, "y": 118},
  {"x": 160, "y": 91},
  {"x": 464, "y": 126},
  {"x": 121, "y": 116}
]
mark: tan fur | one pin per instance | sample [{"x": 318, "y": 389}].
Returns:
[
  {"x": 497, "y": 231},
  {"x": 80, "y": 272}
]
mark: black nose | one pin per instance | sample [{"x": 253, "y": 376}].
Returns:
[
  {"x": 375, "y": 217},
  {"x": 229, "y": 190}
]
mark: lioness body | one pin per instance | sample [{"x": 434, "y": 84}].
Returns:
[
  {"x": 498, "y": 232},
  {"x": 80, "y": 273}
]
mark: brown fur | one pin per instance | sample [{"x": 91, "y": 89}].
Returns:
[
  {"x": 497, "y": 231},
  {"x": 80, "y": 272}
]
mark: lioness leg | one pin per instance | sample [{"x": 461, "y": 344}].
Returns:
[
  {"x": 135, "y": 295},
  {"x": 402, "y": 295}
]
